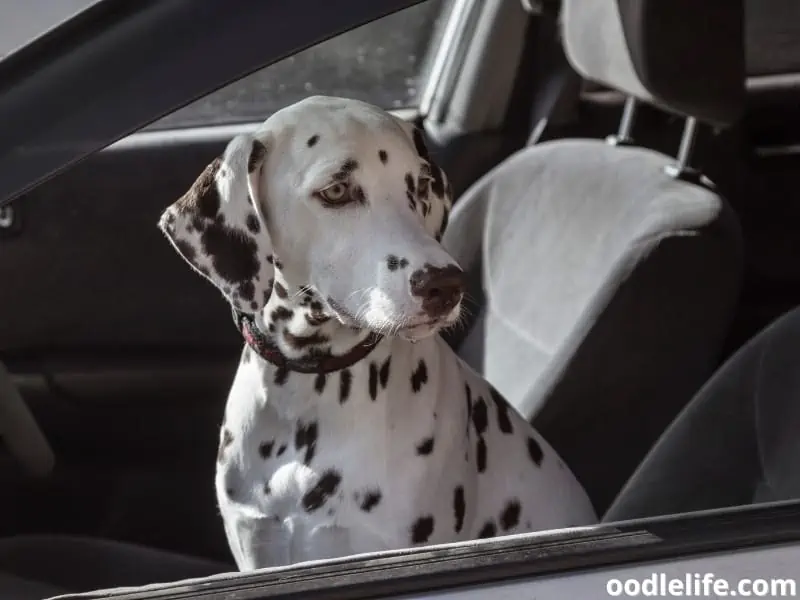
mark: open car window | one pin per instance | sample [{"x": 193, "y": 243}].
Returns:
[
  {"x": 384, "y": 63},
  {"x": 21, "y": 21}
]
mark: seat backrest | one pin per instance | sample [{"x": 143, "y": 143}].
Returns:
[
  {"x": 736, "y": 443},
  {"x": 605, "y": 285}
]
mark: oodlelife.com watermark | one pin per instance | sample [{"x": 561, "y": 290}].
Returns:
[{"x": 700, "y": 585}]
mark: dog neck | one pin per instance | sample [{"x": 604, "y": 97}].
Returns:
[{"x": 295, "y": 333}]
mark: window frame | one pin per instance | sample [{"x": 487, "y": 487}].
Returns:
[{"x": 493, "y": 561}]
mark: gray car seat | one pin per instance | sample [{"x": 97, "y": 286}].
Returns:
[
  {"x": 736, "y": 443},
  {"x": 606, "y": 275}
]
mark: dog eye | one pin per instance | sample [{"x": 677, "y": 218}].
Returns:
[{"x": 338, "y": 193}]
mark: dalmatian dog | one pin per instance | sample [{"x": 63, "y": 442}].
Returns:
[{"x": 351, "y": 426}]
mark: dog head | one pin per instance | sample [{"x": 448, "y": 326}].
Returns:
[{"x": 338, "y": 196}]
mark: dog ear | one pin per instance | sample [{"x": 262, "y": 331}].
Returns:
[
  {"x": 218, "y": 228},
  {"x": 436, "y": 198}
]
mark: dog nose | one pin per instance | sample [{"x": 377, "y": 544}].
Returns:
[{"x": 440, "y": 288}]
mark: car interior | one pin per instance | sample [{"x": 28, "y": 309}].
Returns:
[{"x": 628, "y": 229}]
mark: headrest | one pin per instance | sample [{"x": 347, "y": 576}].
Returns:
[{"x": 685, "y": 56}]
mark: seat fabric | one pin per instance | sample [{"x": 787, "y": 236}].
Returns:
[
  {"x": 603, "y": 289},
  {"x": 736, "y": 443}
]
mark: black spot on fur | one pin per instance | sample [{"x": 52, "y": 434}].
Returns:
[
  {"x": 371, "y": 500},
  {"x": 301, "y": 342},
  {"x": 535, "y": 451},
  {"x": 252, "y": 223},
  {"x": 247, "y": 290},
  {"x": 319, "y": 382},
  {"x": 305, "y": 438},
  {"x": 312, "y": 141},
  {"x": 425, "y": 447},
  {"x": 358, "y": 195},
  {"x": 459, "y": 507},
  {"x": 489, "y": 530},
  {"x": 437, "y": 185},
  {"x": 281, "y": 375},
  {"x": 281, "y": 450},
  {"x": 419, "y": 376},
  {"x": 426, "y": 208},
  {"x": 350, "y": 165},
  {"x": 281, "y": 313},
  {"x": 265, "y": 449},
  {"x": 383, "y": 156},
  {"x": 256, "y": 156},
  {"x": 267, "y": 489},
  {"x": 419, "y": 144},
  {"x": 202, "y": 200},
  {"x": 233, "y": 256},
  {"x": 325, "y": 488},
  {"x": 373, "y": 381},
  {"x": 316, "y": 320},
  {"x": 225, "y": 441},
  {"x": 509, "y": 518},
  {"x": 280, "y": 291},
  {"x": 421, "y": 530},
  {"x": 442, "y": 225},
  {"x": 480, "y": 454},
  {"x": 186, "y": 249},
  {"x": 254, "y": 305},
  {"x": 346, "y": 169},
  {"x": 169, "y": 218},
  {"x": 479, "y": 416},
  {"x": 345, "y": 383},
  {"x": 383, "y": 375},
  {"x": 503, "y": 420},
  {"x": 394, "y": 263},
  {"x": 411, "y": 184}
]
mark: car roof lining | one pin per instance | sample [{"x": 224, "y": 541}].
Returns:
[{"x": 136, "y": 62}]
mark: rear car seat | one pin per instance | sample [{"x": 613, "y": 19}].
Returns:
[
  {"x": 604, "y": 284},
  {"x": 736, "y": 443}
]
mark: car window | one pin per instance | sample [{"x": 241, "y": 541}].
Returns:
[
  {"x": 22, "y": 21},
  {"x": 383, "y": 62}
]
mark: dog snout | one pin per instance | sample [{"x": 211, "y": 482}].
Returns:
[{"x": 439, "y": 288}]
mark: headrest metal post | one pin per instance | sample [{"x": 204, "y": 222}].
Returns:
[
  {"x": 687, "y": 144},
  {"x": 623, "y": 137},
  {"x": 682, "y": 168}
]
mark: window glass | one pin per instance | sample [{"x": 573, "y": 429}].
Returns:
[
  {"x": 23, "y": 21},
  {"x": 383, "y": 62}
]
